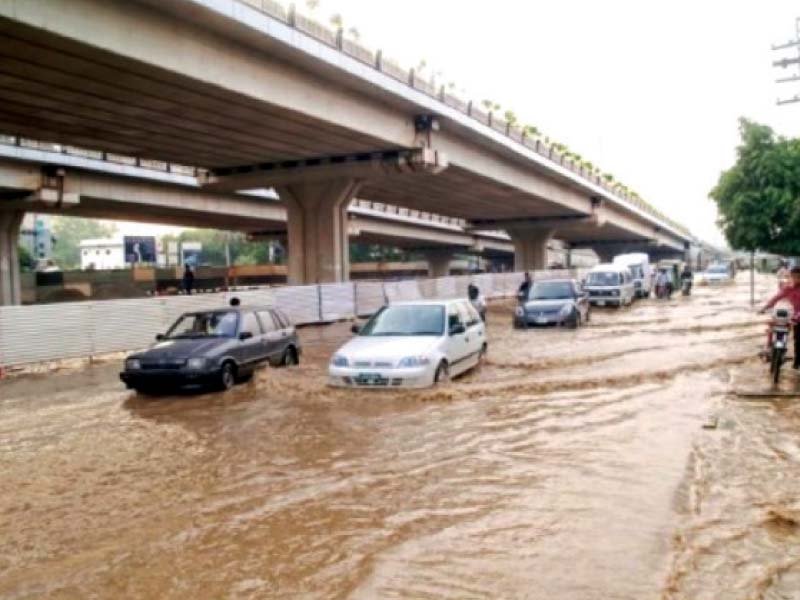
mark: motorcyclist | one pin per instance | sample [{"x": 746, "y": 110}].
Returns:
[
  {"x": 791, "y": 294},
  {"x": 477, "y": 301},
  {"x": 783, "y": 275},
  {"x": 687, "y": 275}
]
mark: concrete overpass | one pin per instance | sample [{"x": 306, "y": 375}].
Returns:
[
  {"x": 44, "y": 178},
  {"x": 261, "y": 97}
]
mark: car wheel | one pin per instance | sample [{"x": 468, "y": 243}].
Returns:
[
  {"x": 575, "y": 321},
  {"x": 442, "y": 374},
  {"x": 227, "y": 376},
  {"x": 290, "y": 357}
]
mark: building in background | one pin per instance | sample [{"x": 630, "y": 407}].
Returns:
[{"x": 102, "y": 254}]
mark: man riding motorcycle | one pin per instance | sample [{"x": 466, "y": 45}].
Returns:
[
  {"x": 791, "y": 294},
  {"x": 687, "y": 278}
]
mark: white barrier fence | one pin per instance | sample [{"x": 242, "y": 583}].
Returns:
[{"x": 38, "y": 333}]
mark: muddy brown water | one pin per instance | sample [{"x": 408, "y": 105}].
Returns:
[{"x": 573, "y": 464}]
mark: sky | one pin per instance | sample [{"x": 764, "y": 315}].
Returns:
[{"x": 650, "y": 91}]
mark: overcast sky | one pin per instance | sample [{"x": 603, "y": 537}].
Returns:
[{"x": 650, "y": 91}]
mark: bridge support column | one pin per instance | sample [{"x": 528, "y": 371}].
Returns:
[
  {"x": 10, "y": 284},
  {"x": 317, "y": 230},
  {"x": 530, "y": 247},
  {"x": 605, "y": 254},
  {"x": 439, "y": 262}
]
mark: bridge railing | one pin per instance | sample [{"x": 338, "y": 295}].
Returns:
[
  {"x": 338, "y": 39},
  {"x": 48, "y": 332}
]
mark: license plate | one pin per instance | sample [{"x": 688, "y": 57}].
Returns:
[
  {"x": 601, "y": 303},
  {"x": 541, "y": 320},
  {"x": 368, "y": 378}
]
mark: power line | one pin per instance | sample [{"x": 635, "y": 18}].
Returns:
[{"x": 786, "y": 63}]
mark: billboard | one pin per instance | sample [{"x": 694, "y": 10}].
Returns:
[
  {"x": 191, "y": 253},
  {"x": 139, "y": 249}
]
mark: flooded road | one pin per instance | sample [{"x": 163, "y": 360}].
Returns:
[{"x": 573, "y": 464}]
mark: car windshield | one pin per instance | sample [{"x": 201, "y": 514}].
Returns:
[
  {"x": 718, "y": 269},
  {"x": 603, "y": 278},
  {"x": 207, "y": 324},
  {"x": 406, "y": 320},
  {"x": 551, "y": 290}
]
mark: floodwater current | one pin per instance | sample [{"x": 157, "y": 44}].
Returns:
[{"x": 571, "y": 465}]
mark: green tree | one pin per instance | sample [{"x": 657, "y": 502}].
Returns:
[
  {"x": 69, "y": 232},
  {"x": 759, "y": 197},
  {"x": 26, "y": 261},
  {"x": 242, "y": 251}
]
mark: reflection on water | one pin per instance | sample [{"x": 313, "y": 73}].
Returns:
[{"x": 572, "y": 465}]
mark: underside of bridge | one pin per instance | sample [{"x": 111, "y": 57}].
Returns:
[{"x": 194, "y": 88}]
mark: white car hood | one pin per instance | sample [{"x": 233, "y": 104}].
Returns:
[{"x": 391, "y": 348}]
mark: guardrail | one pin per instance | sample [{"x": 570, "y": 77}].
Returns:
[{"x": 45, "y": 332}]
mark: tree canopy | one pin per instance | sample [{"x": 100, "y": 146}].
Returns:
[
  {"x": 759, "y": 197},
  {"x": 26, "y": 260},
  {"x": 69, "y": 232}
]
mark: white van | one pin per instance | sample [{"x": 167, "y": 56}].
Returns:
[
  {"x": 609, "y": 285},
  {"x": 642, "y": 271}
]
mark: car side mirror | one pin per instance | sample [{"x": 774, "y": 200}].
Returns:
[
  {"x": 457, "y": 329},
  {"x": 160, "y": 337},
  {"x": 355, "y": 329},
  {"x": 245, "y": 335}
]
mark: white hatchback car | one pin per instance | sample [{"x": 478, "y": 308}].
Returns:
[{"x": 411, "y": 344}]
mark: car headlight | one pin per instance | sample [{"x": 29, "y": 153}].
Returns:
[
  {"x": 520, "y": 311},
  {"x": 339, "y": 361},
  {"x": 196, "y": 364},
  {"x": 414, "y": 361},
  {"x": 133, "y": 364},
  {"x": 566, "y": 310}
]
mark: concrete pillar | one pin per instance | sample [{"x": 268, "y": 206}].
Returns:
[
  {"x": 317, "y": 230},
  {"x": 530, "y": 247},
  {"x": 605, "y": 254},
  {"x": 10, "y": 284},
  {"x": 439, "y": 262}
]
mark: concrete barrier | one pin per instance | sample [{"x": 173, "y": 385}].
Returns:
[{"x": 45, "y": 332}]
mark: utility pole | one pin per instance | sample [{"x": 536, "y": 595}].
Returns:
[{"x": 792, "y": 63}]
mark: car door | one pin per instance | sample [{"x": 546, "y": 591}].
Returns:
[
  {"x": 273, "y": 341},
  {"x": 475, "y": 337},
  {"x": 456, "y": 345},
  {"x": 251, "y": 349}
]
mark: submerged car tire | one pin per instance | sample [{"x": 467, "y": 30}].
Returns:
[
  {"x": 290, "y": 357},
  {"x": 227, "y": 376},
  {"x": 442, "y": 374}
]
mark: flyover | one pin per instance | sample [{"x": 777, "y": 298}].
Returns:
[
  {"x": 258, "y": 96},
  {"x": 37, "y": 177}
]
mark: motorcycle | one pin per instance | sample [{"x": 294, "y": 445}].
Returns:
[
  {"x": 686, "y": 287},
  {"x": 780, "y": 325}
]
